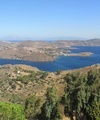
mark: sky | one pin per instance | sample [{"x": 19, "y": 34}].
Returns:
[{"x": 41, "y": 19}]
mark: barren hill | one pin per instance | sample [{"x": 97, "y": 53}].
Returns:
[{"x": 42, "y": 50}]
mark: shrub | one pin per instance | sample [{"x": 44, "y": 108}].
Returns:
[{"x": 9, "y": 111}]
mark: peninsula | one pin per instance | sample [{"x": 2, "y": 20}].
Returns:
[{"x": 42, "y": 50}]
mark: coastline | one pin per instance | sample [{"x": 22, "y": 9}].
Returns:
[
  {"x": 50, "y": 59},
  {"x": 81, "y": 54}
]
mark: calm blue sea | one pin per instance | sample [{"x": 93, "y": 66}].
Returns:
[{"x": 63, "y": 62}]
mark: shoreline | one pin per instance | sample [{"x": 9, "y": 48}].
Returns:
[{"x": 81, "y": 54}]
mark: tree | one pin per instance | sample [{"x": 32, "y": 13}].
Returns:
[
  {"x": 9, "y": 111},
  {"x": 32, "y": 107},
  {"x": 51, "y": 109},
  {"x": 82, "y": 95}
]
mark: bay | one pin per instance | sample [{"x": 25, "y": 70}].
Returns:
[{"x": 63, "y": 62}]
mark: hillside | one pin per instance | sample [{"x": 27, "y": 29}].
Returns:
[
  {"x": 90, "y": 42},
  {"x": 20, "y": 82},
  {"x": 43, "y": 50},
  {"x": 19, "y": 79}
]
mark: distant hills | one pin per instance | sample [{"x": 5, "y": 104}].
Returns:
[
  {"x": 90, "y": 42},
  {"x": 41, "y": 50},
  {"x": 14, "y": 38},
  {"x": 65, "y": 38},
  {"x": 75, "y": 42},
  {"x": 71, "y": 41}
]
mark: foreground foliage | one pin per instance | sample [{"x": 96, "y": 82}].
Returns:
[
  {"x": 51, "y": 108},
  {"x": 10, "y": 111},
  {"x": 32, "y": 107},
  {"x": 82, "y": 96}
]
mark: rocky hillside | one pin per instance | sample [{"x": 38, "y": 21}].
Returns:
[
  {"x": 91, "y": 42},
  {"x": 41, "y": 50},
  {"x": 18, "y": 83}
]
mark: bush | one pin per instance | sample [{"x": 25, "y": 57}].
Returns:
[
  {"x": 32, "y": 107},
  {"x": 82, "y": 95},
  {"x": 10, "y": 111},
  {"x": 51, "y": 108}
]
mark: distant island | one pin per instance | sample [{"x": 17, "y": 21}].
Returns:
[
  {"x": 79, "y": 54},
  {"x": 42, "y": 50}
]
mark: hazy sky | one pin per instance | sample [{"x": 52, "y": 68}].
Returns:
[{"x": 49, "y": 18}]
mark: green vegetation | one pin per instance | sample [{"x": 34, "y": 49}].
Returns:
[
  {"x": 32, "y": 107},
  {"x": 33, "y": 76},
  {"x": 51, "y": 108},
  {"x": 50, "y": 96},
  {"x": 82, "y": 95},
  {"x": 9, "y": 111}
]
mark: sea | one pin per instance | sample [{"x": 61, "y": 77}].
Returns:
[{"x": 63, "y": 62}]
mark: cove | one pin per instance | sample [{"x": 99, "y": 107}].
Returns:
[{"x": 63, "y": 62}]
